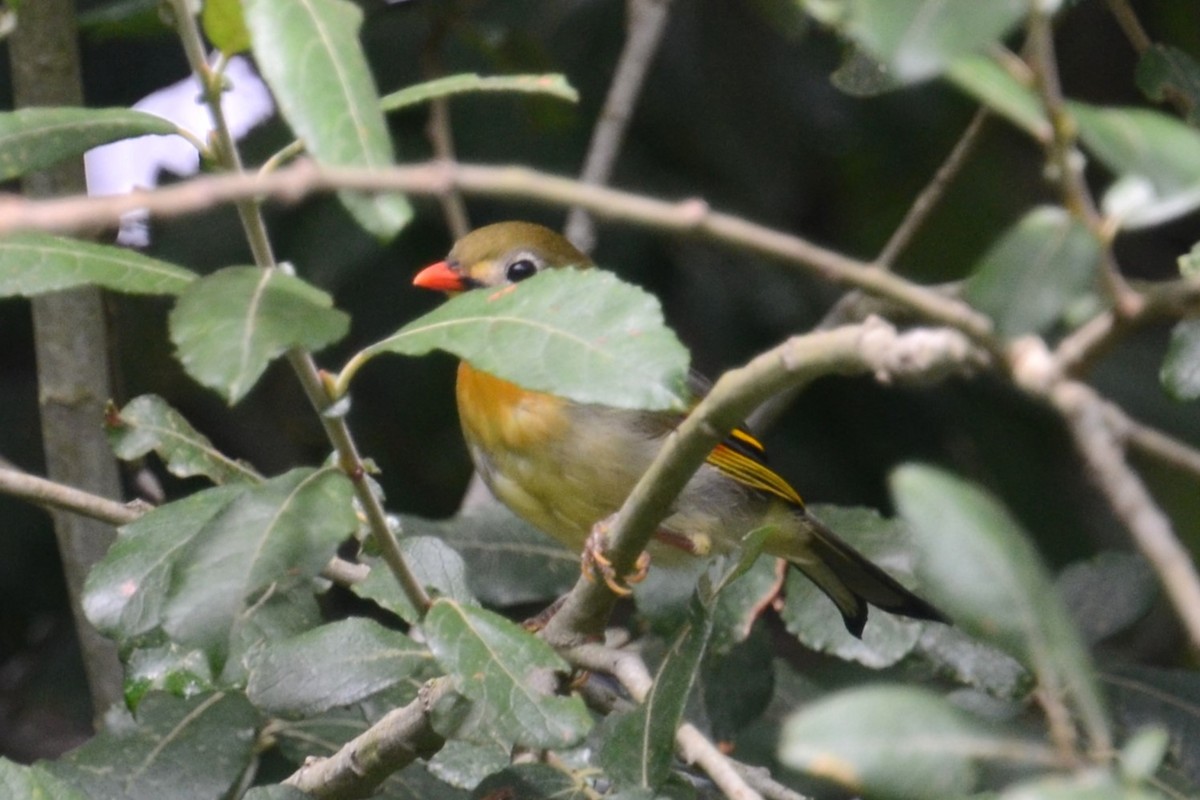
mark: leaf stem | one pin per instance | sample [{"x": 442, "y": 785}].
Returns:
[{"x": 250, "y": 212}]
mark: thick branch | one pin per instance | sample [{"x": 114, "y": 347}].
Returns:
[
  {"x": 71, "y": 340},
  {"x": 402, "y": 736},
  {"x": 874, "y": 347}
]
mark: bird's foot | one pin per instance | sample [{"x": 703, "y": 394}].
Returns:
[{"x": 594, "y": 563}]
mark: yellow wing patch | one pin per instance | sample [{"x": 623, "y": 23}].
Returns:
[{"x": 741, "y": 458}]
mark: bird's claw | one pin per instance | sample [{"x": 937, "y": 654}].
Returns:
[{"x": 594, "y": 563}]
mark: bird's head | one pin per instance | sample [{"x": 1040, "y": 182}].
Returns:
[{"x": 499, "y": 255}]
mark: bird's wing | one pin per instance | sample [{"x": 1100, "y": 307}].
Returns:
[{"x": 741, "y": 456}]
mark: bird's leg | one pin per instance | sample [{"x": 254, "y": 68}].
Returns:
[{"x": 593, "y": 561}]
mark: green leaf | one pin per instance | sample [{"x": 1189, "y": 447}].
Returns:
[
  {"x": 508, "y": 671},
  {"x": 1166, "y": 73},
  {"x": 641, "y": 743},
  {"x": 552, "y": 84},
  {"x": 334, "y": 665},
  {"x": 973, "y": 663},
  {"x": 532, "y": 782},
  {"x": 917, "y": 39},
  {"x": 464, "y": 764},
  {"x": 979, "y": 566},
  {"x": 125, "y": 592},
  {"x": 741, "y": 603},
  {"x": 436, "y": 566},
  {"x": 283, "y": 530},
  {"x": 156, "y": 755},
  {"x": 1148, "y": 149},
  {"x": 283, "y": 611},
  {"x": 888, "y": 742},
  {"x": 225, "y": 26},
  {"x": 311, "y": 57},
  {"x": 1109, "y": 593},
  {"x": 34, "y": 783},
  {"x": 738, "y": 684},
  {"x": 36, "y": 263},
  {"x": 36, "y": 138},
  {"x": 1035, "y": 271},
  {"x": 417, "y": 782},
  {"x": 167, "y": 668},
  {"x": 1180, "y": 373},
  {"x": 988, "y": 82},
  {"x": 814, "y": 619},
  {"x": 508, "y": 561},
  {"x": 584, "y": 335},
  {"x": 229, "y": 325},
  {"x": 147, "y": 423}
]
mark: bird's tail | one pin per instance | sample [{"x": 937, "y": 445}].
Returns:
[{"x": 851, "y": 581}]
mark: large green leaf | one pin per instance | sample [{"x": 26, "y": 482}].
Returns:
[
  {"x": 334, "y": 665},
  {"x": 1109, "y": 593},
  {"x": 814, "y": 619},
  {"x": 979, "y": 566},
  {"x": 917, "y": 39},
  {"x": 1154, "y": 153},
  {"x": 640, "y": 744},
  {"x": 283, "y": 530},
  {"x": 888, "y": 742},
  {"x": 509, "y": 672},
  {"x": 508, "y": 562},
  {"x": 995, "y": 87},
  {"x": 228, "y": 326},
  {"x": 311, "y": 57},
  {"x": 1035, "y": 271},
  {"x": 125, "y": 593},
  {"x": 581, "y": 334},
  {"x": 533, "y": 782},
  {"x": 436, "y": 566},
  {"x": 34, "y": 783},
  {"x": 35, "y": 138},
  {"x": 36, "y": 263},
  {"x": 158, "y": 754},
  {"x": 467, "y": 82},
  {"x": 147, "y": 423}
]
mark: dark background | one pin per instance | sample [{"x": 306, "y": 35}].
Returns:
[{"x": 739, "y": 110}]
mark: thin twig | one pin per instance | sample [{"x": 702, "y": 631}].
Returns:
[
  {"x": 693, "y": 746},
  {"x": 50, "y": 494},
  {"x": 919, "y": 211},
  {"x": 1066, "y": 161},
  {"x": 1127, "y": 18},
  {"x": 647, "y": 19},
  {"x": 300, "y": 360},
  {"x": 440, "y": 131}
]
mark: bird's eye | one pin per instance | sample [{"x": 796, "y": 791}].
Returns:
[{"x": 520, "y": 269}]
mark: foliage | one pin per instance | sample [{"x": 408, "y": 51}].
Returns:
[{"x": 223, "y": 600}]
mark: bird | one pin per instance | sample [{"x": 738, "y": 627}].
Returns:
[{"x": 566, "y": 467}]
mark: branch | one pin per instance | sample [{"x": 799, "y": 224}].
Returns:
[
  {"x": 874, "y": 347},
  {"x": 646, "y": 23},
  {"x": 304, "y": 177},
  {"x": 931, "y": 194},
  {"x": 72, "y": 343},
  {"x": 49, "y": 494},
  {"x": 1096, "y": 430},
  {"x": 692, "y": 745},
  {"x": 402, "y": 736},
  {"x": 301, "y": 361}
]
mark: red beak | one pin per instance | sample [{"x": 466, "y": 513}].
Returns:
[{"x": 440, "y": 277}]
